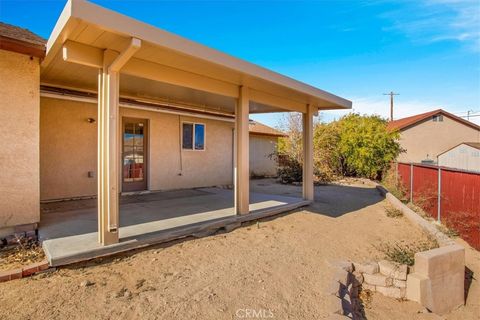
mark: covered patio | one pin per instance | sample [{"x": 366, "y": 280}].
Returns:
[
  {"x": 69, "y": 228},
  {"x": 119, "y": 63}
]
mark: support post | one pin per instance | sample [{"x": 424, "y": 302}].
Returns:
[
  {"x": 108, "y": 151},
  {"x": 109, "y": 142},
  {"x": 242, "y": 176},
  {"x": 439, "y": 195},
  {"x": 308, "y": 190}
]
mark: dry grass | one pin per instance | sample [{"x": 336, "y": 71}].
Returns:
[
  {"x": 23, "y": 253},
  {"x": 393, "y": 212},
  {"x": 404, "y": 253}
]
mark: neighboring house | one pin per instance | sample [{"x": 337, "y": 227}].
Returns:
[
  {"x": 465, "y": 156},
  {"x": 263, "y": 148},
  {"x": 425, "y": 135},
  {"x": 113, "y": 105}
]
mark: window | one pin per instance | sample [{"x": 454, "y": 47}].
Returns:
[
  {"x": 193, "y": 136},
  {"x": 438, "y": 118}
]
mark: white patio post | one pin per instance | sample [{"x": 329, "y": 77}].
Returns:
[
  {"x": 109, "y": 142},
  {"x": 307, "y": 140},
  {"x": 242, "y": 178}
]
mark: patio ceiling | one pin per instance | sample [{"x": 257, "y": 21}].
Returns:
[{"x": 166, "y": 67}]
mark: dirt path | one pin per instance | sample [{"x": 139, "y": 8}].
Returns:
[{"x": 279, "y": 267}]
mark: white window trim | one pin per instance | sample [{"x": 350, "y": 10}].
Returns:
[{"x": 193, "y": 136}]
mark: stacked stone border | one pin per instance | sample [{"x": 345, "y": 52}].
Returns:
[
  {"x": 343, "y": 301},
  {"x": 25, "y": 271},
  {"x": 437, "y": 278}
]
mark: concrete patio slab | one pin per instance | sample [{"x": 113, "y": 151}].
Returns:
[{"x": 68, "y": 230}]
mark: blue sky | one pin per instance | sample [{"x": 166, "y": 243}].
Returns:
[{"x": 428, "y": 51}]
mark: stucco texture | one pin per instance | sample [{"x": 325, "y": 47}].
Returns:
[
  {"x": 261, "y": 149},
  {"x": 69, "y": 150},
  {"x": 19, "y": 108},
  {"x": 429, "y": 138}
]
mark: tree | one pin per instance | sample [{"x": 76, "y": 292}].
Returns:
[{"x": 366, "y": 146}]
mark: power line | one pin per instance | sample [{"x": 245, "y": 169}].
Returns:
[{"x": 391, "y": 94}]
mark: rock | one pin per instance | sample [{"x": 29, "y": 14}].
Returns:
[
  {"x": 393, "y": 270},
  {"x": 127, "y": 294},
  {"x": 119, "y": 293},
  {"x": 370, "y": 267},
  {"x": 393, "y": 292},
  {"x": 377, "y": 279},
  {"x": 86, "y": 283},
  {"x": 154, "y": 259}
]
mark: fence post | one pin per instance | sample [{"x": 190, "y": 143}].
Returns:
[
  {"x": 411, "y": 182},
  {"x": 439, "y": 195}
]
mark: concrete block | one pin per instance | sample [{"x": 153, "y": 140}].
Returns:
[
  {"x": 333, "y": 288},
  {"x": 446, "y": 293},
  {"x": 445, "y": 269},
  {"x": 417, "y": 286},
  {"x": 377, "y": 279},
  {"x": 370, "y": 267},
  {"x": 393, "y": 270},
  {"x": 436, "y": 262},
  {"x": 392, "y": 292},
  {"x": 344, "y": 265},
  {"x": 333, "y": 305},
  {"x": 367, "y": 286},
  {"x": 358, "y": 278},
  {"x": 399, "y": 283},
  {"x": 341, "y": 276}
]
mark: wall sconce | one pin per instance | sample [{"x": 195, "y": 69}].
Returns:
[{"x": 91, "y": 120}]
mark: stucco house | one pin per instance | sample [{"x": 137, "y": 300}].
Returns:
[
  {"x": 464, "y": 156},
  {"x": 426, "y": 135},
  {"x": 263, "y": 148},
  {"x": 110, "y": 107}
]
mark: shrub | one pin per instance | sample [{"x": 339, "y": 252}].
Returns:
[{"x": 290, "y": 171}]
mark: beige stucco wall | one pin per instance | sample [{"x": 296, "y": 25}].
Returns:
[
  {"x": 260, "y": 149},
  {"x": 431, "y": 138},
  {"x": 462, "y": 157},
  {"x": 19, "y": 110},
  {"x": 68, "y": 150}
]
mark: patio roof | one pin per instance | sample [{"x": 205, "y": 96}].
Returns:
[{"x": 167, "y": 66}]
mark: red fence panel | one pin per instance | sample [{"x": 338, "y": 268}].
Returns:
[
  {"x": 404, "y": 176},
  {"x": 425, "y": 189},
  {"x": 460, "y": 204},
  {"x": 460, "y": 197}
]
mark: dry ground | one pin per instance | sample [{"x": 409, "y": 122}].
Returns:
[{"x": 280, "y": 265}]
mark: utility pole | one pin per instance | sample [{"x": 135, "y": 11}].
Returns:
[
  {"x": 468, "y": 114},
  {"x": 391, "y": 94}
]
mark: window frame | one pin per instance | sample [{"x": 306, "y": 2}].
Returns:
[{"x": 193, "y": 123}]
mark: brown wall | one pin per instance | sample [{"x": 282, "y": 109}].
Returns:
[
  {"x": 261, "y": 147},
  {"x": 19, "y": 109},
  {"x": 68, "y": 150},
  {"x": 431, "y": 138}
]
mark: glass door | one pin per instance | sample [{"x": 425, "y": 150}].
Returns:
[{"x": 134, "y": 152}]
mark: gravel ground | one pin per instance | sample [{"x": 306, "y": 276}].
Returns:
[{"x": 279, "y": 267}]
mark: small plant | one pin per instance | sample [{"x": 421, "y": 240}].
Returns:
[
  {"x": 451, "y": 233},
  {"x": 290, "y": 171},
  {"x": 393, "y": 212},
  {"x": 405, "y": 253}
]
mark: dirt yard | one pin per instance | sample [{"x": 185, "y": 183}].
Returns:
[{"x": 280, "y": 266}]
